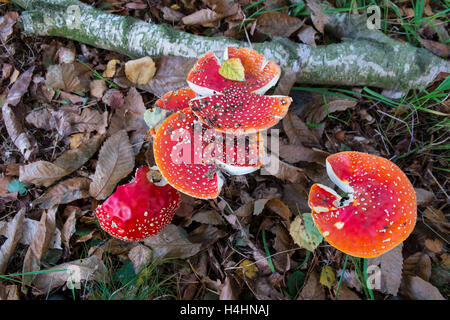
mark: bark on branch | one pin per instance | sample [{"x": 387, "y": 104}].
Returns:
[{"x": 363, "y": 57}]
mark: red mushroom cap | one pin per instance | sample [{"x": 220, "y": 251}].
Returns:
[
  {"x": 138, "y": 209},
  {"x": 186, "y": 153},
  {"x": 381, "y": 210},
  {"x": 238, "y": 111},
  {"x": 176, "y": 100},
  {"x": 180, "y": 159},
  {"x": 260, "y": 75}
]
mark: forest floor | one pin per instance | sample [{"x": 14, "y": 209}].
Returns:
[{"x": 71, "y": 104}]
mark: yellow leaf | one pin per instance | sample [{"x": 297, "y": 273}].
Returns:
[
  {"x": 304, "y": 232},
  {"x": 327, "y": 276},
  {"x": 140, "y": 71},
  {"x": 232, "y": 69},
  {"x": 110, "y": 70},
  {"x": 249, "y": 268}
]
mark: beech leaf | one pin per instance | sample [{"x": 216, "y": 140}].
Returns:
[
  {"x": 232, "y": 69},
  {"x": 115, "y": 162},
  {"x": 64, "y": 192},
  {"x": 45, "y": 173}
]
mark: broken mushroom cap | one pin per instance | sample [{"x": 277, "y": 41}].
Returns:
[
  {"x": 238, "y": 111},
  {"x": 138, "y": 209},
  {"x": 176, "y": 100},
  {"x": 260, "y": 74},
  {"x": 379, "y": 210},
  {"x": 189, "y": 154}
]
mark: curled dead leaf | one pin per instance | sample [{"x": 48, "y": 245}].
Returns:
[
  {"x": 39, "y": 246},
  {"x": 203, "y": 17},
  {"x": 13, "y": 233},
  {"x": 13, "y": 125}
]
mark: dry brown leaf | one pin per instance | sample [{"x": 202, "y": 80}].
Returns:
[
  {"x": 318, "y": 18},
  {"x": 437, "y": 218},
  {"x": 64, "y": 192},
  {"x": 319, "y": 112},
  {"x": 418, "y": 289},
  {"x": 115, "y": 162},
  {"x": 418, "y": 264},
  {"x": 140, "y": 71},
  {"x": 6, "y": 25},
  {"x": 113, "y": 98},
  {"x": 277, "y": 24},
  {"x": 68, "y": 77},
  {"x": 97, "y": 88},
  {"x": 283, "y": 171},
  {"x": 264, "y": 290},
  {"x": 391, "y": 264},
  {"x": 439, "y": 49},
  {"x": 287, "y": 80},
  {"x": 224, "y": 8},
  {"x": 4, "y": 181},
  {"x": 76, "y": 271},
  {"x": 206, "y": 235},
  {"x": 41, "y": 173},
  {"x": 13, "y": 233},
  {"x": 9, "y": 292},
  {"x": 208, "y": 217},
  {"x": 172, "y": 242},
  {"x": 295, "y": 153},
  {"x": 434, "y": 245},
  {"x": 171, "y": 15},
  {"x": 171, "y": 74},
  {"x": 346, "y": 294},
  {"x": 45, "y": 173},
  {"x": 307, "y": 34},
  {"x": 298, "y": 132},
  {"x": 140, "y": 256},
  {"x": 228, "y": 291},
  {"x": 29, "y": 231},
  {"x": 423, "y": 196},
  {"x": 69, "y": 226},
  {"x": 14, "y": 125},
  {"x": 39, "y": 246},
  {"x": 68, "y": 120},
  {"x": 203, "y": 17},
  {"x": 312, "y": 290}
]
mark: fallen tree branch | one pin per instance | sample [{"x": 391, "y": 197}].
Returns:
[{"x": 362, "y": 60}]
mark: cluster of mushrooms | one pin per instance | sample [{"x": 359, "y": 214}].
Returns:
[{"x": 215, "y": 127}]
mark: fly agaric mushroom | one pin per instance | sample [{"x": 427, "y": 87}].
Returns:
[
  {"x": 237, "y": 110},
  {"x": 380, "y": 211},
  {"x": 189, "y": 154},
  {"x": 138, "y": 209},
  {"x": 176, "y": 100},
  {"x": 260, "y": 74}
]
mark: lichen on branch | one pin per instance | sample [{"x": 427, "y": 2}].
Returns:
[{"x": 362, "y": 59}]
